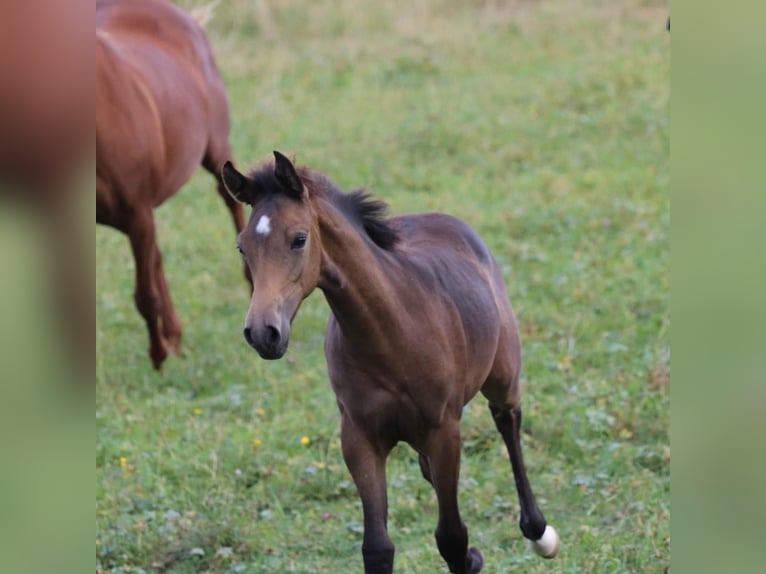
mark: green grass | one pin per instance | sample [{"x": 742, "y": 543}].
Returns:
[{"x": 545, "y": 126}]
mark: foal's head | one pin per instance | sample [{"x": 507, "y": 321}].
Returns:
[{"x": 280, "y": 245}]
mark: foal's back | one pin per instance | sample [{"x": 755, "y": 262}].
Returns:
[
  {"x": 448, "y": 262},
  {"x": 161, "y": 101},
  {"x": 453, "y": 271}
]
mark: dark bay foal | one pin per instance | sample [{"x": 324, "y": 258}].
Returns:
[{"x": 420, "y": 323}]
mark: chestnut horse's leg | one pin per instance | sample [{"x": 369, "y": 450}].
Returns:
[
  {"x": 213, "y": 161},
  {"x": 171, "y": 324},
  {"x": 148, "y": 296},
  {"x": 367, "y": 465},
  {"x": 443, "y": 462},
  {"x": 542, "y": 538}
]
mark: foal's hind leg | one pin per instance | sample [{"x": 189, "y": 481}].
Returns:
[
  {"x": 148, "y": 296},
  {"x": 542, "y": 538},
  {"x": 504, "y": 394},
  {"x": 442, "y": 467}
]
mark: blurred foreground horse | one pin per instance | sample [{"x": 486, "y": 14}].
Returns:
[
  {"x": 47, "y": 97},
  {"x": 161, "y": 111},
  {"x": 420, "y": 324}
]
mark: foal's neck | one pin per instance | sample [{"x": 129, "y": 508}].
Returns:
[{"x": 355, "y": 276}]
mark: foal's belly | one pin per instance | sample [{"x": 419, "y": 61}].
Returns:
[{"x": 411, "y": 391}]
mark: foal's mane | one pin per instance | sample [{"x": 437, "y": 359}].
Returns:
[
  {"x": 358, "y": 205},
  {"x": 368, "y": 214}
]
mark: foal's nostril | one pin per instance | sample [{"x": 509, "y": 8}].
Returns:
[
  {"x": 272, "y": 335},
  {"x": 264, "y": 340}
]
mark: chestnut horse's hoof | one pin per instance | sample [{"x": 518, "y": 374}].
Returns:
[
  {"x": 474, "y": 561},
  {"x": 158, "y": 354},
  {"x": 174, "y": 344},
  {"x": 548, "y": 545}
]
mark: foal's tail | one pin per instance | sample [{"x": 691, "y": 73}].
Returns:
[{"x": 203, "y": 14}]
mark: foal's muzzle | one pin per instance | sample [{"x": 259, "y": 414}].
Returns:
[{"x": 267, "y": 341}]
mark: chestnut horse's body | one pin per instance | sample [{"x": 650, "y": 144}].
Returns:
[
  {"x": 420, "y": 323},
  {"x": 161, "y": 111}
]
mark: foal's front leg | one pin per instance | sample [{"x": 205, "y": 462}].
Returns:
[
  {"x": 367, "y": 464},
  {"x": 442, "y": 461}
]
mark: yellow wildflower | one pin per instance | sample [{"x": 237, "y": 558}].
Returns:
[
  {"x": 257, "y": 442},
  {"x": 565, "y": 364},
  {"x": 198, "y": 411},
  {"x": 123, "y": 462},
  {"x": 305, "y": 441}
]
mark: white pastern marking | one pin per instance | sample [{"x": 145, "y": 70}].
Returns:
[
  {"x": 264, "y": 225},
  {"x": 548, "y": 545}
]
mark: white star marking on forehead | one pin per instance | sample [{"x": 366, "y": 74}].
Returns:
[{"x": 264, "y": 225}]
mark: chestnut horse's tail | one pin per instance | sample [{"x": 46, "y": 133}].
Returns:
[{"x": 203, "y": 14}]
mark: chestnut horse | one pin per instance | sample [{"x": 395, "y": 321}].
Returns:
[
  {"x": 161, "y": 111},
  {"x": 420, "y": 323}
]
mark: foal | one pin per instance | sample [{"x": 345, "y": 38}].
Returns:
[
  {"x": 420, "y": 323},
  {"x": 161, "y": 110}
]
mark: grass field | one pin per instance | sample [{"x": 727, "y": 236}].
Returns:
[{"x": 544, "y": 124}]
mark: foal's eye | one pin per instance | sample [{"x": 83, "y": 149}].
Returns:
[
  {"x": 299, "y": 242},
  {"x": 242, "y": 253}
]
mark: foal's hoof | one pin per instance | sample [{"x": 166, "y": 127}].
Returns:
[
  {"x": 548, "y": 545},
  {"x": 474, "y": 561}
]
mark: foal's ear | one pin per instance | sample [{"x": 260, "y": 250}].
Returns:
[
  {"x": 287, "y": 176},
  {"x": 236, "y": 183}
]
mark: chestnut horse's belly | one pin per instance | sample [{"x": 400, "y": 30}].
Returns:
[
  {"x": 155, "y": 96},
  {"x": 151, "y": 127}
]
